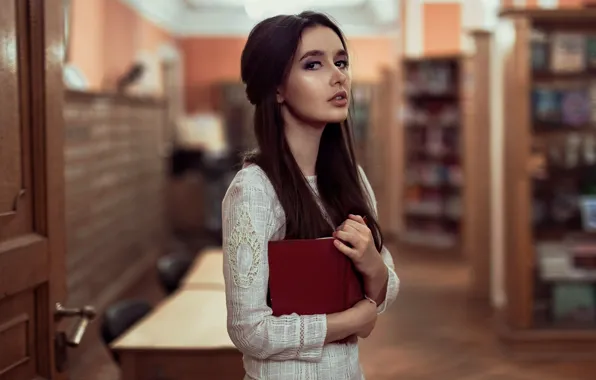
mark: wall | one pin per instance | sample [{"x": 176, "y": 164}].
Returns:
[
  {"x": 537, "y": 3},
  {"x": 107, "y": 37},
  {"x": 439, "y": 27},
  {"x": 209, "y": 60}
]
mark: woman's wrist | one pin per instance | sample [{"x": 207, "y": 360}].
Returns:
[
  {"x": 376, "y": 268},
  {"x": 342, "y": 325},
  {"x": 375, "y": 283}
]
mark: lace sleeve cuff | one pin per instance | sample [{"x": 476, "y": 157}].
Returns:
[{"x": 313, "y": 330}]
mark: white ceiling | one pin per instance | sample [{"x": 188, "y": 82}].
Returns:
[
  {"x": 240, "y": 3},
  {"x": 233, "y": 17}
]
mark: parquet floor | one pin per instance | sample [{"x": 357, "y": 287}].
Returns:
[{"x": 433, "y": 332}]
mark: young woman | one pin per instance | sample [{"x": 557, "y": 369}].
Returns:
[{"x": 303, "y": 182}]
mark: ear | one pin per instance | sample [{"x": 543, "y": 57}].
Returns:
[{"x": 279, "y": 97}]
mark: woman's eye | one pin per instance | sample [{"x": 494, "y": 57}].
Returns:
[
  {"x": 341, "y": 64},
  {"x": 312, "y": 65}
]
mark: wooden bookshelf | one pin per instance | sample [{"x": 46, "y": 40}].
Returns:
[
  {"x": 432, "y": 132},
  {"x": 386, "y": 151},
  {"x": 362, "y": 117},
  {"x": 476, "y": 109},
  {"x": 549, "y": 166}
]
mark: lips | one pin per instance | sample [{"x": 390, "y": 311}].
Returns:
[{"x": 340, "y": 95}]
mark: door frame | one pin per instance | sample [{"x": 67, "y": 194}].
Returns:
[{"x": 47, "y": 52}]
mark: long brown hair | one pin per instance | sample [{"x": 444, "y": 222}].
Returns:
[{"x": 265, "y": 64}]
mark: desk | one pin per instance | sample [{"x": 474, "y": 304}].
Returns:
[
  {"x": 206, "y": 272},
  {"x": 184, "y": 338}
]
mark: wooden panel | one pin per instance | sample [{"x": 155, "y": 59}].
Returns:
[
  {"x": 17, "y": 336},
  {"x": 388, "y": 152},
  {"x": 31, "y": 196},
  {"x": 15, "y": 181},
  {"x": 182, "y": 365},
  {"x": 10, "y": 163},
  {"x": 477, "y": 173},
  {"x": 518, "y": 247}
]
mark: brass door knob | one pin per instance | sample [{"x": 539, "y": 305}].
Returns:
[{"x": 86, "y": 314}]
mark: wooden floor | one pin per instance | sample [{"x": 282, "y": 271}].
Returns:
[{"x": 432, "y": 332}]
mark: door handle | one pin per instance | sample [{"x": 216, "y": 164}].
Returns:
[
  {"x": 62, "y": 341},
  {"x": 86, "y": 314}
]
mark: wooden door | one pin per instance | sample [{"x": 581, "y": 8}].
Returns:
[{"x": 32, "y": 236}]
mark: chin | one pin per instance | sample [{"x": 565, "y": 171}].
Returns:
[{"x": 338, "y": 116}]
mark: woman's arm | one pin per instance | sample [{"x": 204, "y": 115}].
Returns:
[
  {"x": 384, "y": 285},
  {"x": 249, "y": 223}
]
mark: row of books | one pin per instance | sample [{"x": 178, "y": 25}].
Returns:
[
  {"x": 433, "y": 204},
  {"x": 434, "y": 174},
  {"x": 561, "y": 208},
  {"x": 572, "y": 151},
  {"x": 431, "y": 78},
  {"x": 569, "y": 268},
  {"x": 444, "y": 115},
  {"x": 572, "y": 105},
  {"x": 431, "y": 235},
  {"x": 563, "y": 52},
  {"x": 434, "y": 141}
]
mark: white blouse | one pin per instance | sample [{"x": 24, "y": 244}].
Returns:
[{"x": 289, "y": 347}]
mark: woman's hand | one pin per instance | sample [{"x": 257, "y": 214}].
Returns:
[{"x": 362, "y": 252}]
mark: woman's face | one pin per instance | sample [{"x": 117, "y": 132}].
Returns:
[{"x": 317, "y": 89}]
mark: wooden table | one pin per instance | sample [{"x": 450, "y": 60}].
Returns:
[
  {"x": 184, "y": 338},
  {"x": 206, "y": 272}
]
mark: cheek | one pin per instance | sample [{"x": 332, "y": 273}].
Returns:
[{"x": 304, "y": 90}]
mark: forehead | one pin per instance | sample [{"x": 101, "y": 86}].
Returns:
[{"x": 320, "y": 38}]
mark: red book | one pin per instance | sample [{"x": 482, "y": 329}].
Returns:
[{"x": 311, "y": 276}]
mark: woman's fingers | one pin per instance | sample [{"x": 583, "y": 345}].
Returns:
[
  {"x": 347, "y": 237},
  {"x": 361, "y": 228},
  {"x": 350, "y": 252},
  {"x": 357, "y": 218}
]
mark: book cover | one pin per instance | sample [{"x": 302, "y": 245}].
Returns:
[
  {"x": 576, "y": 107},
  {"x": 568, "y": 52},
  {"x": 311, "y": 276}
]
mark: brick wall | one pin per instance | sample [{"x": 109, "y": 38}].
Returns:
[
  {"x": 114, "y": 176},
  {"x": 114, "y": 183}
]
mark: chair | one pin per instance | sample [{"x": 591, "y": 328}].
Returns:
[
  {"x": 171, "y": 270},
  {"x": 119, "y": 317}
]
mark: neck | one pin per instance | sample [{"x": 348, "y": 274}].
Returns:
[{"x": 304, "y": 140}]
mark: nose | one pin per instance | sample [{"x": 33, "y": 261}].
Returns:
[{"x": 338, "y": 76}]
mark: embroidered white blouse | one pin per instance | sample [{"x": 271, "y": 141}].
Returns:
[{"x": 289, "y": 347}]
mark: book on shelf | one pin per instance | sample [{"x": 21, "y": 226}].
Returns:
[
  {"x": 574, "y": 302},
  {"x": 568, "y": 52},
  {"x": 564, "y": 105},
  {"x": 430, "y": 78}
]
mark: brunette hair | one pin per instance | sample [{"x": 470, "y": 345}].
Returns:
[{"x": 265, "y": 64}]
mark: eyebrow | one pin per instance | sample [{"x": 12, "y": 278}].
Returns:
[{"x": 319, "y": 53}]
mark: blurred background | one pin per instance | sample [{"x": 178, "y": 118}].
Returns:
[{"x": 475, "y": 121}]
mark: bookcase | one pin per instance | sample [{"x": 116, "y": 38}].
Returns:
[
  {"x": 433, "y": 175},
  {"x": 385, "y": 157},
  {"x": 548, "y": 60},
  {"x": 237, "y": 113},
  {"x": 362, "y": 117},
  {"x": 477, "y": 147}
]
